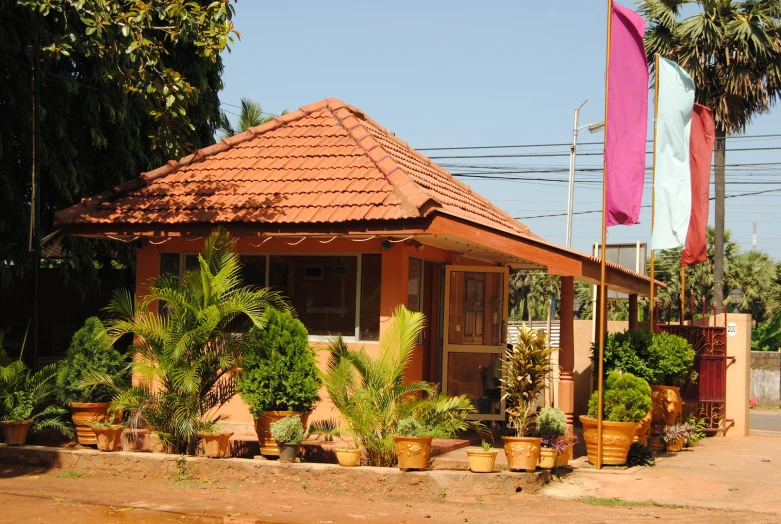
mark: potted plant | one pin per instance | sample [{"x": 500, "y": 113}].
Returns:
[
  {"x": 525, "y": 370},
  {"x": 108, "y": 435},
  {"x": 413, "y": 445},
  {"x": 288, "y": 432},
  {"x": 627, "y": 399},
  {"x": 349, "y": 456},
  {"x": 676, "y": 436},
  {"x": 551, "y": 426},
  {"x": 90, "y": 354},
  {"x": 279, "y": 376},
  {"x": 26, "y": 401},
  {"x": 215, "y": 439},
  {"x": 482, "y": 459}
]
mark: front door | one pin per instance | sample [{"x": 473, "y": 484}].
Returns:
[{"x": 475, "y": 336}]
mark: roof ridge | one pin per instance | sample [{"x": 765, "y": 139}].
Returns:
[
  {"x": 415, "y": 201},
  {"x": 392, "y": 136}
]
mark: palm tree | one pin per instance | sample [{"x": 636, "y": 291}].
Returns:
[
  {"x": 732, "y": 50},
  {"x": 752, "y": 273},
  {"x": 185, "y": 353},
  {"x": 251, "y": 115}
]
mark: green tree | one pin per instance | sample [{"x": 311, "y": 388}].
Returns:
[
  {"x": 186, "y": 353},
  {"x": 732, "y": 50},
  {"x": 752, "y": 272},
  {"x": 125, "y": 86},
  {"x": 250, "y": 115}
]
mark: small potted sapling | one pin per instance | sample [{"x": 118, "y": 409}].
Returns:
[
  {"x": 348, "y": 456},
  {"x": 288, "y": 433},
  {"x": 482, "y": 459},
  {"x": 676, "y": 436},
  {"x": 551, "y": 426},
  {"x": 214, "y": 438},
  {"x": 108, "y": 434}
]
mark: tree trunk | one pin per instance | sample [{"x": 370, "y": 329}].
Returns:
[{"x": 718, "y": 259}]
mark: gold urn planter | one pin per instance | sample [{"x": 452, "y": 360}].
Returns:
[
  {"x": 108, "y": 439},
  {"x": 85, "y": 413},
  {"x": 348, "y": 458},
  {"x": 412, "y": 452},
  {"x": 215, "y": 445},
  {"x": 481, "y": 461},
  {"x": 548, "y": 458},
  {"x": 268, "y": 446},
  {"x": 16, "y": 432},
  {"x": 523, "y": 453},
  {"x": 675, "y": 445},
  {"x": 564, "y": 456},
  {"x": 616, "y": 439}
]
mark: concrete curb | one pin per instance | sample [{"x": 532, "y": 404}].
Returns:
[{"x": 164, "y": 466}]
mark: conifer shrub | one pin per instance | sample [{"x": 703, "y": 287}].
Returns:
[{"x": 627, "y": 398}]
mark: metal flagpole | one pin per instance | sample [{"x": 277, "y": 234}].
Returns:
[
  {"x": 603, "y": 260},
  {"x": 683, "y": 289},
  {"x": 651, "y": 299}
]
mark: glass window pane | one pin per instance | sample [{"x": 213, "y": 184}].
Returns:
[
  {"x": 414, "y": 284},
  {"x": 476, "y": 309},
  {"x": 253, "y": 270},
  {"x": 371, "y": 279},
  {"x": 476, "y": 375},
  {"x": 190, "y": 262},
  {"x": 321, "y": 289},
  {"x": 169, "y": 264}
]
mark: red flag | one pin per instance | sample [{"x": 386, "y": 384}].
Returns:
[
  {"x": 703, "y": 137},
  {"x": 627, "y": 118}
]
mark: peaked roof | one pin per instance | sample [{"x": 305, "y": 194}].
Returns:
[{"x": 324, "y": 163}]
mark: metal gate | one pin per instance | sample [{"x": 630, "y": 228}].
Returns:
[{"x": 706, "y": 395}]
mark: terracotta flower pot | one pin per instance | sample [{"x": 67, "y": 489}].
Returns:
[
  {"x": 676, "y": 445},
  {"x": 616, "y": 439},
  {"x": 348, "y": 457},
  {"x": 135, "y": 439},
  {"x": 666, "y": 406},
  {"x": 413, "y": 452},
  {"x": 522, "y": 452},
  {"x": 268, "y": 446},
  {"x": 86, "y": 413},
  {"x": 108, "y": 439},
  {"x": 215, "y": 445},
  {"x": 481, "y": 461},
  {"x": 16, "y": 432},
  {"x": 548, "y": 458},
  {"x": 288, "y": 452}
]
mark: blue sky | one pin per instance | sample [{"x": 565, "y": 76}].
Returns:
[{"x": 456, "y": 73}]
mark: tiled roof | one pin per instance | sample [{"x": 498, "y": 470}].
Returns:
[{"x": 326, "y": 162}]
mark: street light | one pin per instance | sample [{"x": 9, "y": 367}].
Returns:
[
  {"x": 593, "y": 128},
  {"x": 737, "y": 296},
  {"x": 576, "y": 306}
]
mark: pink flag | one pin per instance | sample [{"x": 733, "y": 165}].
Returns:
[{"x": 627, "y": 118}]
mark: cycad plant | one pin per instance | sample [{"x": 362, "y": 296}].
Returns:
[
  {"x": 526, "y": 368},
  {"x": 185, "y": 354},
  {"x": 372, "y": 396},
  {"x": 26, "y": 396}
]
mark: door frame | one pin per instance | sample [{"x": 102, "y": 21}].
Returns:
[{"x": 448, "y": 348}]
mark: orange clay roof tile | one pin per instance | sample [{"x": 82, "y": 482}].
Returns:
[{"x": 326, "y": 162}]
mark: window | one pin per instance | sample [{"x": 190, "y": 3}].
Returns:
[
  {"x": 415, "y": 285},
  {"x": 371, "y": 279},
  {"x": 253, "y": 270}
]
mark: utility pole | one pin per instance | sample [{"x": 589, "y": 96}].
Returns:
[
  {"x": 754, "y": 238},
  {"x": 35, "y": 201}
]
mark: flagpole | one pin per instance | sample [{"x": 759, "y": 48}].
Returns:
[
  {"x": 683, "y": 289},
  {"x": 651, "y": 299},
  {"x": 602, "y": 286}
]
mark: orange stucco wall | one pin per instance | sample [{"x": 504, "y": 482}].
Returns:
[{"x": 395, "y": 270}]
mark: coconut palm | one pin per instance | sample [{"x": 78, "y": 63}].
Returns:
[
  {"x": 372, "y": 395},
  {"x": 185, "y": 353},
  {"x": 732, "y": 50},
  {"x": 250, "y": 115},
  {"x": 752, "y": 273}
]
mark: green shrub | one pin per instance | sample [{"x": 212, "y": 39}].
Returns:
[
  {"x": 627, "y": 398},
  {"x": 551, "y": 422},
  {"x": 640, "y": 455},
  {"x": 90, "y": 354},
  {"x": 288, "y": 430},
  {"x": 279, "y": 367},
  {"x": 658, "y": 358},
  {"x": 408, "y": 427}
]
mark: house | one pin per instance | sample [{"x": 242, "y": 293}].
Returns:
[{"x": 349, "y": 221}]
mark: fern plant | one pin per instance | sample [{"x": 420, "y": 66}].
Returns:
[
  {"x": 188, "y": 352},
  {"x": 27, "y": 396}
]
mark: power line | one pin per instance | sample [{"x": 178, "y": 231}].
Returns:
[{"x": 599, "y": 153}]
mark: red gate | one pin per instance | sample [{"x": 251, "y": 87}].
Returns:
[{"x": 706, "y": 396}]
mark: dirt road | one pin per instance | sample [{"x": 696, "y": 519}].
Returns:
[{"x": 62, "y": 496}]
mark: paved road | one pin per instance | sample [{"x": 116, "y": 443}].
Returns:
[{"x": 766, "y": 420}]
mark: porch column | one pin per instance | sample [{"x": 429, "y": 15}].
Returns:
[
  {"x": 567, "y": 350},
  {"x": 633, "y": 311}
]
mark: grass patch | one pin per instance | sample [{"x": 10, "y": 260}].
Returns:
[
  {"x": 70, "y": 474},
  {"x": 621, "y": 503}
]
